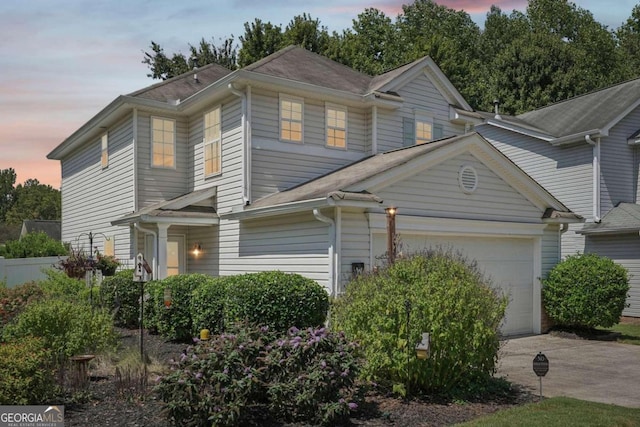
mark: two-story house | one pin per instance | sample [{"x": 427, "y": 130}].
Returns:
[
  {"x": 585, "y": 152},
  {"x": 297, "y": 163}
]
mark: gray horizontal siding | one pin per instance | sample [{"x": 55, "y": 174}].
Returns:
[
  {"x": 92, "y": 197},
  {"x": 435, "y": 192},
  {"x": 619, "y": 161},
  {"x": 355, "y": 243},
  {"x": 293, "y": 244},
  {"x": 159, "y": 184},
  {"x": 624, "y": 250}
]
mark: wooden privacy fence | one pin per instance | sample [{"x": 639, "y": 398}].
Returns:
[{"x": 16, "y": 271}]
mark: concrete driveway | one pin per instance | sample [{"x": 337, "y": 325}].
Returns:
[{"x": 597, "y": 371}]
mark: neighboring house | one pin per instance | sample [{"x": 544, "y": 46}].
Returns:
[
  {"x": 51, "y": 228},
  {"x": 585, "y": 152},
  {"x": 289, "y": 164}
]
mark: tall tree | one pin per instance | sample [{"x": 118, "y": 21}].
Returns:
[
  {"x": 7, "y": 191},
  {"x": 308, "y": 33},
  {"x": 371, "y": 46},
  {"x": 628, "y": 36},
  {"x": 162, "y": 67},
  {"x": 259, "y": 40},
  {"x": 34, "y": 201}
]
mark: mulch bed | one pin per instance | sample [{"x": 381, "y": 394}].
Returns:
[{"x": 107, "y": 405}]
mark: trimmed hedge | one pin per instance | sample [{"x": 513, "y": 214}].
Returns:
[
  {"x": 586, "y": 291},
  {"x": 276, "y": 299}
]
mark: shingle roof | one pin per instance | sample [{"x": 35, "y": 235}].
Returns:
[
  {"x": 595, "y": 110},
  {"x": 184, "y": 85},
  {"x": 52, "y": 228},
  {"x": 300, "y": 65},
  {"x": 342, "y": 179},
  {"x": 624, "y": 218}
]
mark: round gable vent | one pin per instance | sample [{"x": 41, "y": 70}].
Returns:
[{"x": 468, "y": 179}]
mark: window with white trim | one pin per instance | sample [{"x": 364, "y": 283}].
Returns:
[
  {"x": 163, "y": 137},
  {"x": 104, "y": 151},
  {"x": 424, "y": 129},
  {"x": 212, "y": 142},
  {"x": 336, "y": 120},
  {"x": 291, "y": 112}
]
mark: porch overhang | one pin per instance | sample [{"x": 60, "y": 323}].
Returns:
[
  {"x": 191, "y": 209},
  {"x": 336, "y": 198}
]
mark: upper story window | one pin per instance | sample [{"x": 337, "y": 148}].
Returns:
[
  {"x": 291, "y": 112},
  {"x": 104, "y": 151},
  {"x": 163, "y": 142},
  {"x": 212, "y": 142},
  {"x": 420, "y": 129},
  {"x": 336, "y": 119},
  {"x": 424, "y": 129}
]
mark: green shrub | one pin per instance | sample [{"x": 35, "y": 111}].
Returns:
[
  {"x": 585, "y": 291},
  {"x": 121, "y": 295},
  {"x": 32, "y": 245},
  {"x": 251, "y": 372},
  {"x": 59, "y": 285},
  {"x": 447, "y": 297},
  {"x": 207, "y": 305},
  {"x": 14, "y": 300},
  {"x": 26, "y": 373},
  {"x": 276, "y": 299},
  {"x": 67, "y": 328},
  {"x": 174, "y": 323}
]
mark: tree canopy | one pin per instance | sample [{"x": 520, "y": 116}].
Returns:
[
  {"x": 552, "y": 51},
  {"x": 30, "y": 200}
]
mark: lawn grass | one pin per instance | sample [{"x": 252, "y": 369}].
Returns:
[
  {"x": 630, "y": 333},
  {"x": 561, "y": 412}
]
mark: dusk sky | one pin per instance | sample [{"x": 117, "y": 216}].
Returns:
[{"x": 62, "y": 61}]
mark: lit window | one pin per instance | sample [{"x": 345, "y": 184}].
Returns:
[
  {"x": 164, "y": 143},
  {"x": 212, "y": 142},
  {"x": 291, "y": 119},
  {"x": 336, "y": 126},
  {"x": 104, "y": 152},
  {"x": 424, "y": 130}
]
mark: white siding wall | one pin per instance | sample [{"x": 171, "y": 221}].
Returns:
[
  {"x": 279, "y": 165},
  {"x": 92, "y": 197},
  {"x": 355, "y": 243},
  {"x": 159, "y": 184},
  {"x": 619, "y": 164},
  {"x": 566, "y": 172},
  {"x": 420, "y": 95},
  {"x": 436, "y": 193},
  {"x": 292, "y": 243},
  {"x": 624, "y": 250}
]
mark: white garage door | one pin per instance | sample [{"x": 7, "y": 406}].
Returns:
[{"x": 508, "y": 262}]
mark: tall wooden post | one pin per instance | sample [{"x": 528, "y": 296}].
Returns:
[{"x": 391, "y": 234}]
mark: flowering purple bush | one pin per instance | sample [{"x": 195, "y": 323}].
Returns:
[{"x": 305, "y": 375}]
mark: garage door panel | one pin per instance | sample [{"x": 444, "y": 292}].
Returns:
[{"x": 506, "y": 262}]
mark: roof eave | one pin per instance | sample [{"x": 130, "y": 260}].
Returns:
[
  {"x": 118, "y": 105},
  {"x": 578, "y": 137},
  {"x": 608, "y": 231},
  {"x": 519, "y": 129}
]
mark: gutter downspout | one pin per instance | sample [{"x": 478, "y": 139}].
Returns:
[
  {"x": 374, "y": 129},
  {"x": 154, "y": 262},
  {"x": 245, "y": 145},
  {"x": 596, "y": 176},
  {"x": 332, "y": 245},
  {"x": 135, "y": 159}
]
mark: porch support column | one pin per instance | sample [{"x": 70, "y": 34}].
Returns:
[{"x": 162, "y": 250}]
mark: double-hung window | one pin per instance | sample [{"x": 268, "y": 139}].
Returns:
[
  {"x": 424, "y": 129},
  {"x": 291, "y": 113},
  {"x": 163, "y": 142},
  {"x": 212, "y": 142},
  {"x": 336, "y": 120},
  {"x": 104, "y": 151}
]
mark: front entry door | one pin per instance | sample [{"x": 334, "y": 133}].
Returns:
[{"x": 175, "y": 255}]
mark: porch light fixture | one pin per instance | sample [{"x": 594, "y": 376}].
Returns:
[
  {"x": 197, "y": 250},
  {"x": 391, "y": 233}
]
